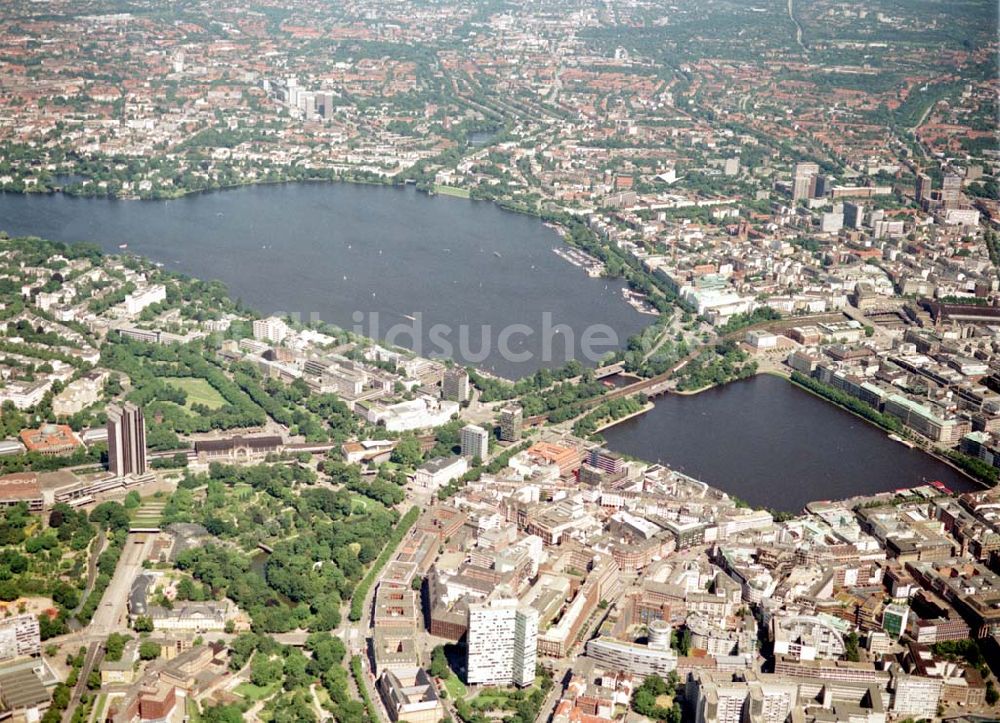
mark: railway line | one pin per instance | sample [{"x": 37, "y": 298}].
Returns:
[{"x": 659, "y": 384}]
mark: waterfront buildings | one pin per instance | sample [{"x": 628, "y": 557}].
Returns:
[
  {"x": 658, "y": 184},
  {"x": 609, "y": 462},
  {"x": 922, "y": 419},
  {"x": 455, "y": 385},
  {"x": 142, "y": 298},
  {"x": 272, "y": 330}
]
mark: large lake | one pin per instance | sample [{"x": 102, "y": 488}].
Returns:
[
  {"x": 385, "y": 256},
  {"x": 336, "y": 250},
  {"x": 773, "y": 444}
]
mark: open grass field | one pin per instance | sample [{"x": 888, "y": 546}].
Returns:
[
  {"x": 360, "y": 503},
  {"x": 255, "y": 692},
  {"x": 490, "y": 701},
  {"x": 451, "y": 191},
  {"x": 198, "y": 391},
  {"x": 499, "y": 698}
]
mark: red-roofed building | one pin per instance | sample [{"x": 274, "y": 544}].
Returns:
[
  {"x": 567, "y": 459},
  {"x": 51, "y": 439}
]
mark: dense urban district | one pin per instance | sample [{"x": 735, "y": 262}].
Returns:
[{"x": 211, "y": 515}]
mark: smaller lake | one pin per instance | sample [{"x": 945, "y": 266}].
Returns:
[{"x": 773, "y": 444}]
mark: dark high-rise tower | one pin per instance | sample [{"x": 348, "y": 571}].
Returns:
[
  {"x": 126, "y": 440},
  {"x": 511, "y": 420},
  {"x": 923, "y": 191}
]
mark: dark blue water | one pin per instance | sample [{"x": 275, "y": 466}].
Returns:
[
  {"x": 372, "y": 255},
  {"x": 450, "y": 261},
  {"x": 773, "y": 444}
]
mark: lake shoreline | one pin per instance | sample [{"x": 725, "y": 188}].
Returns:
[
  {"x": 362, "y": 260},
  {"x": 929, "y": 451},
  {"x": 738, "y": 442},
  {"x": 613, "y": 422},
  {"x": 191, "y": 192}
]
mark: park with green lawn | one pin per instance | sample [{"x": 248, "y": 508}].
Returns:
[{"x": 198, "y": 391}]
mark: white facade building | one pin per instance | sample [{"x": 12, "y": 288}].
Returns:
[
  {"x": 198, "y": 616},
  {"x": 422, "y": 413},
  {"x": 632, "y": 658},
  {"x": 806, "y": 637},
  {"x": 140, "y": 299},
  {"x": 914, "y": 696},
  {"x": 441, "y": 471},
  {"x": 475, "y": 441},
  {"x": 717, "y": 305},
  {"x": 25, "y": 395},
  {"x": 271, "y": 329},
  {"x": 502, "y": 643},
  {"x": 19, "y": 636}
]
